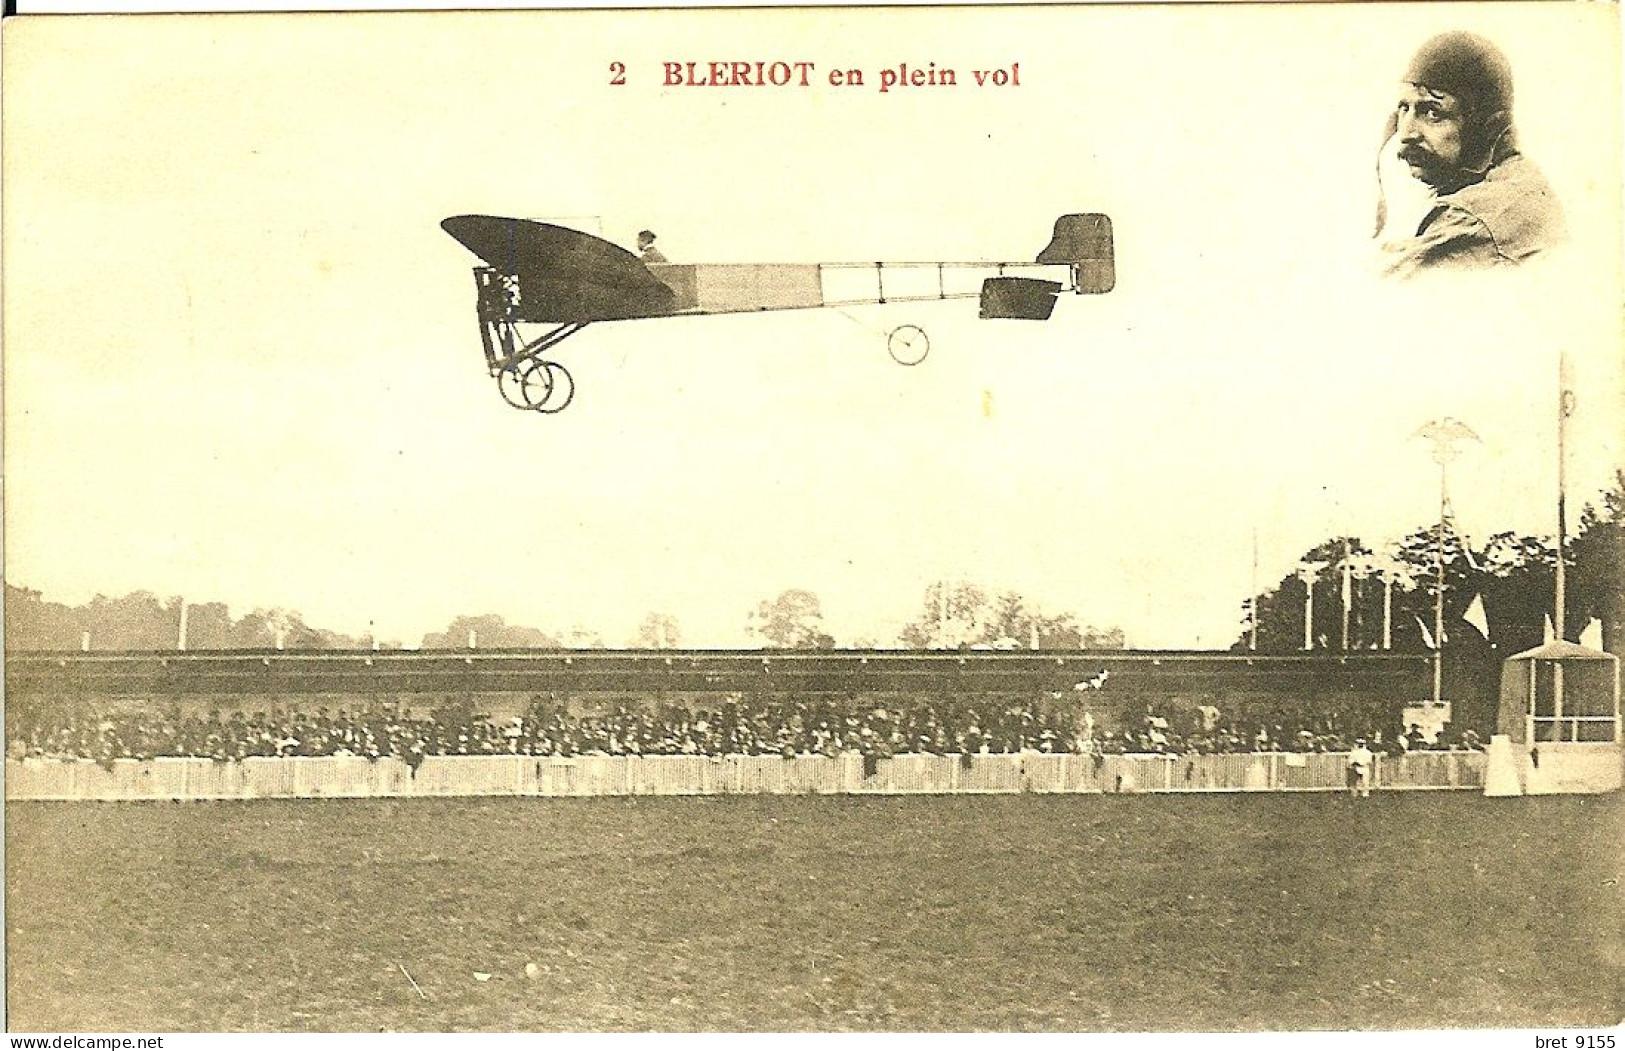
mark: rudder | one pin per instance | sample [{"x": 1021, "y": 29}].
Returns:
[{"x": 1084, "y": 241}]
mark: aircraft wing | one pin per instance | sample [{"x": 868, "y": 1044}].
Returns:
[{"x": 563, "y": 276}]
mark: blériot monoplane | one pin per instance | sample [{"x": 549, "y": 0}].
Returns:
[{"x": 536, "y": 274}]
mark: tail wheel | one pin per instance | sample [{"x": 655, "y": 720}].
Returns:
[
  {"x": 548, "y": 387},
  {"x": 908, "y": 344}
]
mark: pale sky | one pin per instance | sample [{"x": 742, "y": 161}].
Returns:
[{"x": 242, "y": 364}]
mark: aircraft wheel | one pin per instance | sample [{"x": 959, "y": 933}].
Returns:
[
  {"x": 557, "y": 388},
  {"x": 512, "y": 388},
  {"x": 535, "y": 385},
  {"x": 908, "y": 344}
]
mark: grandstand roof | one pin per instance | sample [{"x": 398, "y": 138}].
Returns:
[
  {"x": 163, "y": 673},
  {"x": 1562, "y": 649}
]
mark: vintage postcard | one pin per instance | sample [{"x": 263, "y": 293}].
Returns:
[{"x": 968, "y": 518}]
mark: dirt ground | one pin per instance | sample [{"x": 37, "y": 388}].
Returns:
[{"x": 992, "y": 913}]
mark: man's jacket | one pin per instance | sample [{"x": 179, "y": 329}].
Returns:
[{"x": 1507, "y": 217}]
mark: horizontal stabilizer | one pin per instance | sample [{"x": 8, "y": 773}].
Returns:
[
  {"x": 1085, "y": 242},
  {"x": 1024, "y": 298}
]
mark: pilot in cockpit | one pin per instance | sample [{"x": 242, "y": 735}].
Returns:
[{"x": 646, "y": 248}]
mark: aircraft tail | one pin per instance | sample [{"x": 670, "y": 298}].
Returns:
[
  {"x": 1084, "y": 241},
  {"x": 1081, "y": 241},
  {"x": 1019, "y": 298}
]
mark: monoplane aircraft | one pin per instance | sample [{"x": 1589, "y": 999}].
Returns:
[{"x": 538, "y": 274}]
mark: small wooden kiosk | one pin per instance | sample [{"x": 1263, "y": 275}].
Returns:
[{"x": 1558, "y": 728}]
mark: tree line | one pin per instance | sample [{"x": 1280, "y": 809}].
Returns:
[
  {"x": 952, "y": 616},
  {"x": 1499, "y": 593}
]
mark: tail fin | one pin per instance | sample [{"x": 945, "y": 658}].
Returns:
[{"x": 1084, "y": 240}]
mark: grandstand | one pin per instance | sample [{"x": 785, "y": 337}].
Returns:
[
  {"x": 201, "y": 677},
  {"x": 452, "y": 717},
  {"x": 1116, "y": 689}
]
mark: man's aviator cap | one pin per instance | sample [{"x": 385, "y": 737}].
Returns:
[{"x": 1468, "y": 67}]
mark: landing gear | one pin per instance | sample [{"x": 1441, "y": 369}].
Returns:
[
  {"x": 524, "y": 379},
  {"x": 537, "y": 385}
]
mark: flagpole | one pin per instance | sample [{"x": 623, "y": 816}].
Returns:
[
  {"x": 1565, "y": 408},
  {"x": 1252, "y": 613},
  {"x": 1438, "y": 590},
  {"x": 1444, "y": 433}
]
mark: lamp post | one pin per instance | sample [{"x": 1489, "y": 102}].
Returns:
[
  {"x": 1359, "y": 568},
  {"x": 1393, "y": 571},
  {"x": 1445, "y": 434},
  {"x": 1348, "y": 593},
  {"x": 1307, "y": 571}
]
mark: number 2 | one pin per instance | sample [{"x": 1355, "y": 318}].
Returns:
[{"x": 617, "y": 73}]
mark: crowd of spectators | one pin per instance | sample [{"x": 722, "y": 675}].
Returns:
[
  {"x": 769, "y": 725},
  {"x": 1156, "y": 736}
]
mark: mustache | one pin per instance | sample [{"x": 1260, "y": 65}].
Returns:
[{"x": 1419, "y": 155}]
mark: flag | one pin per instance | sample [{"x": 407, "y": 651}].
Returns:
[
  {"x": 1548, "y": 633},
  {"x": 1476, "y": 616},
  {"x": 1427, "y": 636},
  {"x": 1592, "y": 635}
]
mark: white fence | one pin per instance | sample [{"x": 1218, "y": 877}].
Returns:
[{"x": 681, "y": 775}]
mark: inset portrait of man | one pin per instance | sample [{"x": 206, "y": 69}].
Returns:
[{"x": 1455, "y": 192}]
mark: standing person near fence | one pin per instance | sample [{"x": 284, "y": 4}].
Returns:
[{"x": 1360, "y": 762}]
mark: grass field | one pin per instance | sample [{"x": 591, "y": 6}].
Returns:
[{"x": 1415, "y": 910}]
